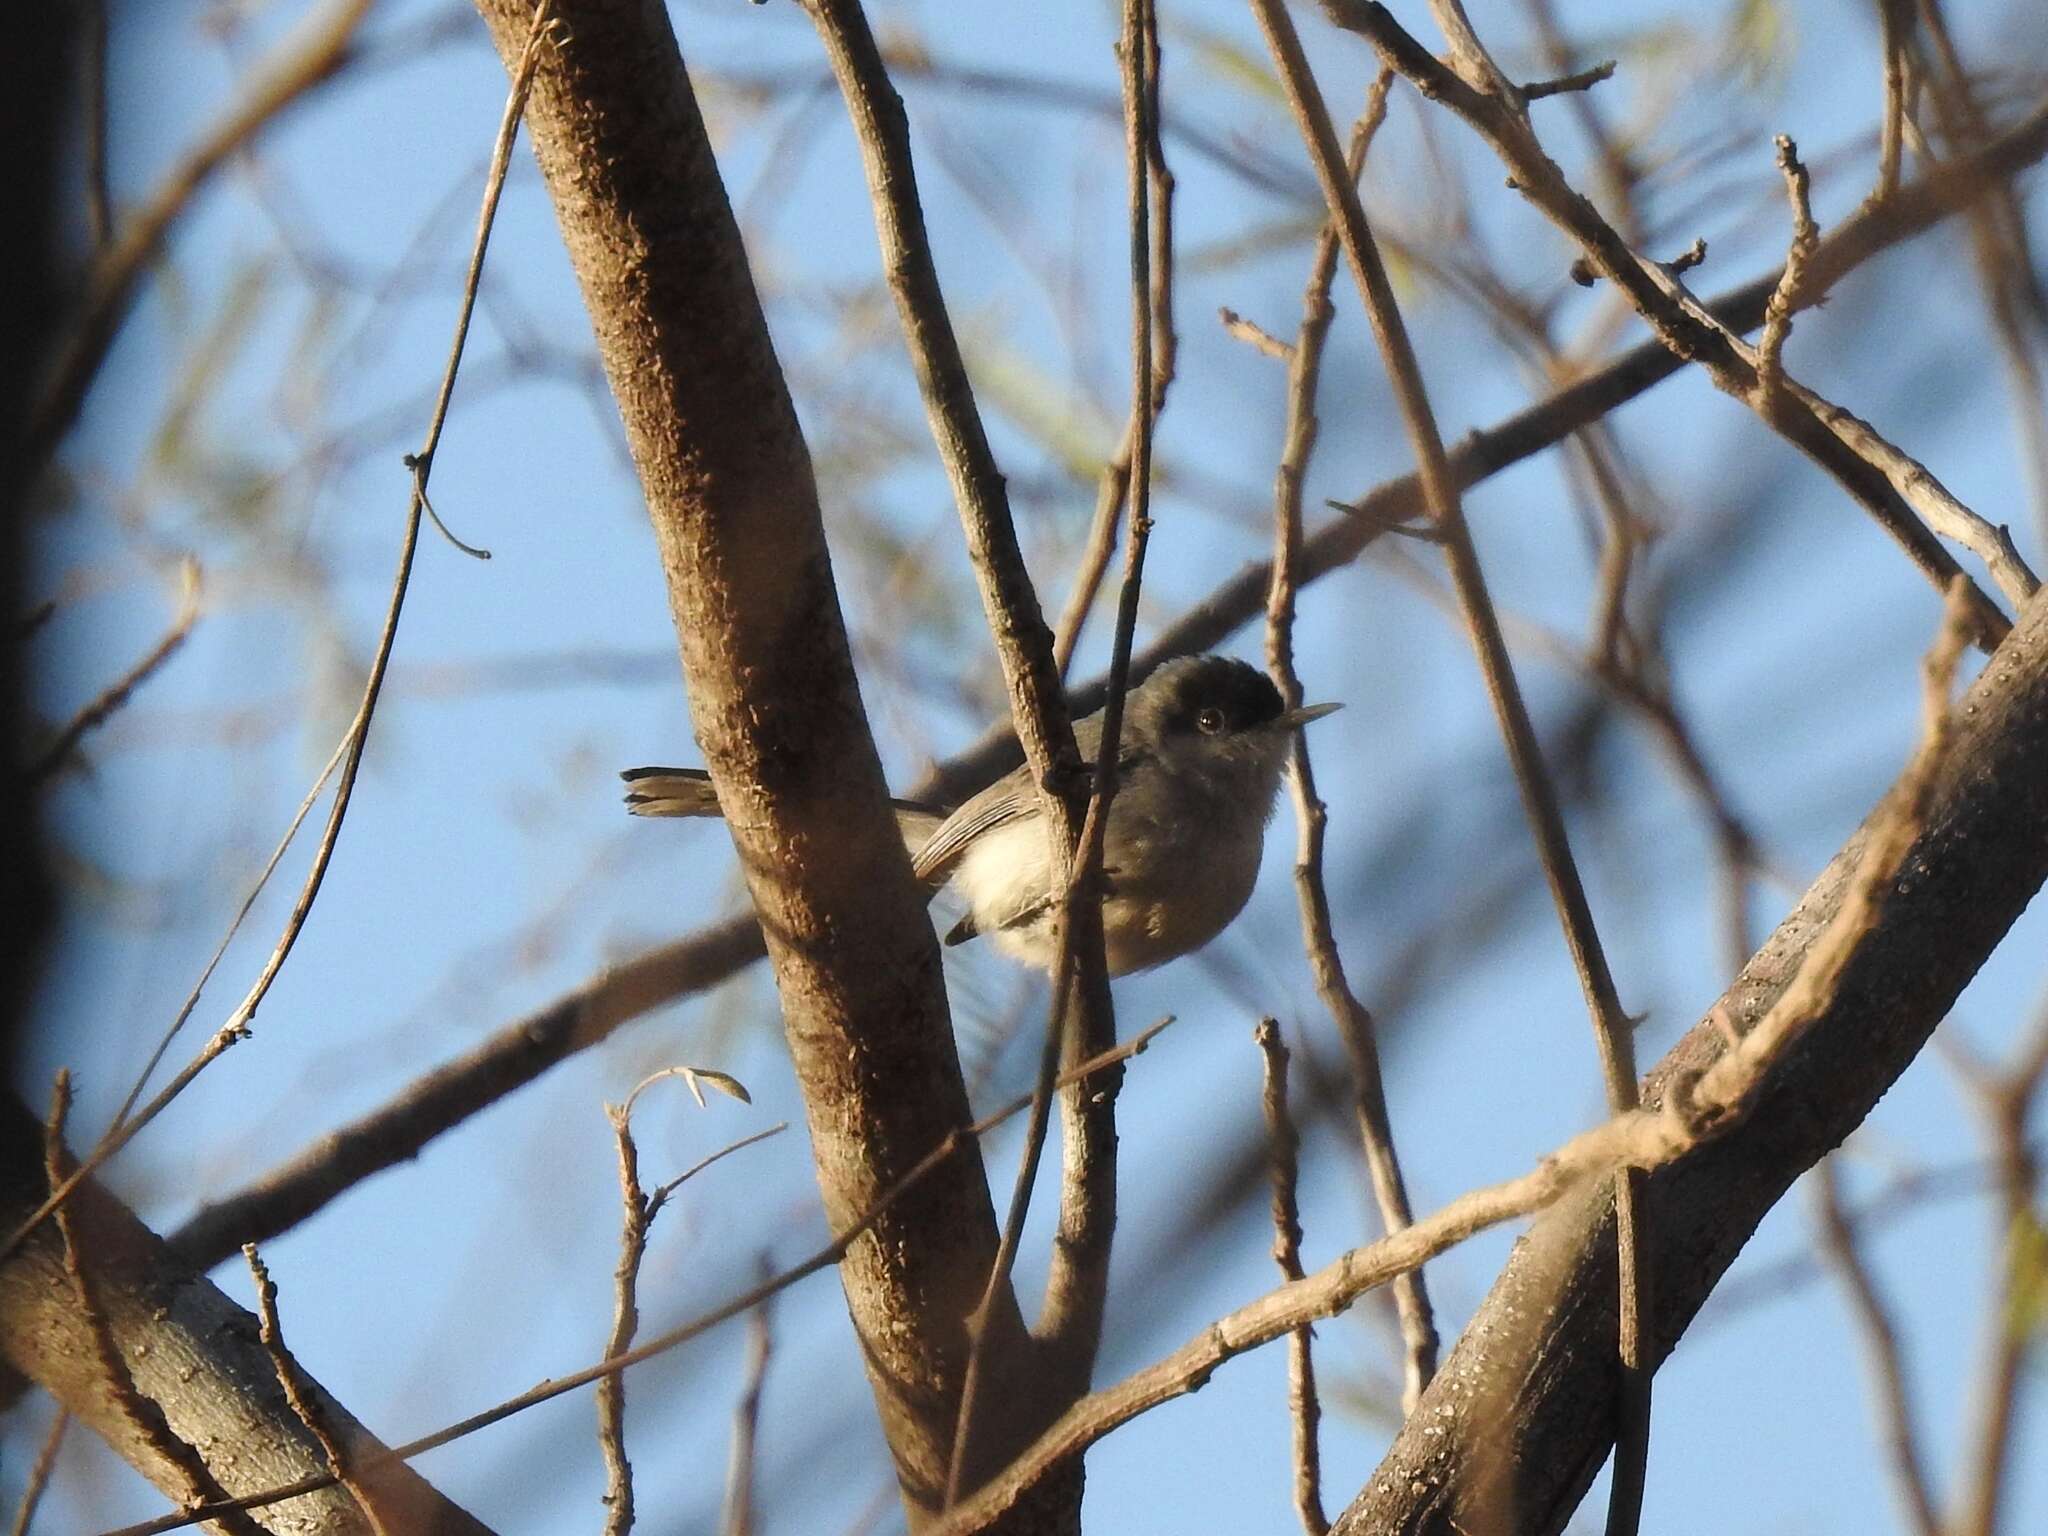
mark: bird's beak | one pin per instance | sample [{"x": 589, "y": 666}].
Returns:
[{"x": 1294, "y": 719}]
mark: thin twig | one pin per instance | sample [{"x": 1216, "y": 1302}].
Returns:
[
  {"x": 637, "y": 1212},
  {"x": 236, "y": 1028},
  {"x": 256, "y": 888},
  {"x": 1081, "y": 1021},
  {"x": 1354, "y": 1022},
  {"x": 1611, "y": 1027},
  {"x": 117, "y": 693},
  {"x": 1895, "y": 29},
  {"x": 1077, "y": 1276},
  {"x": 611, "y": 1391},
  {"x": 1894, "y": 1400},
  {"x": 547, "y": 1391},
  {"x": 1115, "y": 483},
  {"x": 1467, "y": 55},
  {"x": 1283, "y": 1146},
  {"x": 1618, "y": 170},
  {"x": 1255, "y": 336},
  {"x": 299, "y": 1392},
  {"x": 1581, "y": 80},
  {"x": 738, "y": 1519},
  {"x": 1096, "y": 549},
  {"x": 1770, "y": 347},
  {"x": 1895, "y": 489},
  {"x": 39, "y": 1473}
]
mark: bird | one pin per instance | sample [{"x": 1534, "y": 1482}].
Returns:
[{"x": 1199, "y": 759}]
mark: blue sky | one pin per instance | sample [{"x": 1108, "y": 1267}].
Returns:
[{"x": 486, "y": 866}]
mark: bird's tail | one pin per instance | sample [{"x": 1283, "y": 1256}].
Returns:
[
  {"x": 687, "y": 792},
  {"x": 669, "y": 792}
]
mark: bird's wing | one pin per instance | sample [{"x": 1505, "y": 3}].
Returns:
[
  {"x": 1002, "y": 802},
  {"x": 1009, "y": 799}
]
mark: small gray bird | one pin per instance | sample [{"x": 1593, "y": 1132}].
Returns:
[{"x": 1198, "y": 763}]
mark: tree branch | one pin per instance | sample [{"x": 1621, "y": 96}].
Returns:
[
  {"x": 1535, "y": 1382},
  {"x": 624, "y": 152},
  {"x": 1353, "y": 1020},
  {"x": 188, "y": 1350},
  {"x": 1896, "y": 491},
  {"x": 1612, "y": 1030}
]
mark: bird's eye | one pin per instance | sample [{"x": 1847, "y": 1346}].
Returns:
[{"x": 1209, "y": 721}]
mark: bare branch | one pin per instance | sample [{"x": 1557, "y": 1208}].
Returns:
[
  {"x": 1897, "y": 492},
  {"x": 947, "y": 1147},
  {"x": 1611, "y": 1026},
  {"x": 1256, "y": 337},
  {"x": 1354, "y": 1022},
  {"x": 1077, "y": 1280},
  {"x": 1114, "y": 487},
  {"x": 1895, "y": 26},
  {"x": 1770, "y": 348},
  {"x": 186, "y": 1348},
  {"x": 117, "y": 693},
  {"x": 1283, "y": 1145},
  {"x": 637, "y": 1212},
  {"x": 299, "y": 1392},
  {"x": 1580, "y": 80},
  {"x": 1894, "y": 1403},
  {"x": 144, "y": 1416},
  {"x": 634, "y": 1219}
]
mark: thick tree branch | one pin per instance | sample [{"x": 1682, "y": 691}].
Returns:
[
  {"x": 1523, "y": 1413},
  {"x": 1081, "y": 1011},
  {"x": 188, "y": 1350},
  {"x": 1527, "y": 1401},
  {"x": 627, "y": 161}
]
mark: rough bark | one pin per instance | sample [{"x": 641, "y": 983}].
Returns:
[
  {"x": 728, "y": 483},
  {"x": 191, "y": 1350},
  {"x": 1512, "y": 1431}
]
